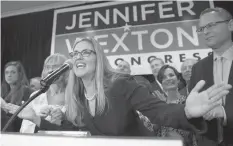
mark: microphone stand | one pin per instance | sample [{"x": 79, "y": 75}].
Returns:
[{"x": 44, "y": 88}]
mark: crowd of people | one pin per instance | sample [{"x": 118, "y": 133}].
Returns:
[{"x": 193, "y": 105}]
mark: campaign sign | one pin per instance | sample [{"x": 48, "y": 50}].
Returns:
[{"x": 135, "y": 31}]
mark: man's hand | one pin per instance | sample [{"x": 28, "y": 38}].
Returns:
[
  {"x": 200, "y": 103},
  {"x": 217, "y": 112}
]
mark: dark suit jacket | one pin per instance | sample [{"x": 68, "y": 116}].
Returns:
[
  {"x": 155, "y": 86},
  {"x": 125, "y": 96},
  {"x": 203, "y": 70}
]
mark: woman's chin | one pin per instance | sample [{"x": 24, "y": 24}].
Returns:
[{"x": 80, "y": 74}]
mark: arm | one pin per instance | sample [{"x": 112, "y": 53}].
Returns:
[
  {"x": 171, "y": 115},
  {"x": 65, "y": 126},
  {"x": 160, "y": 113},
  {"x": 28, "y": 113}
]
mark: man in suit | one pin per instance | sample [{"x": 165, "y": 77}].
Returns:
[
  {"x": 186, "y": 72},
  {"x": 156, "y": 64},
  {"x": 216, "y": 26}
]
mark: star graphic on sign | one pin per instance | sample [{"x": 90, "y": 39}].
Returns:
[{"x": 127, "y": 27}]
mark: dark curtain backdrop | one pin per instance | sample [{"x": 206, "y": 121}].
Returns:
[{"x": 28, "y": 38}]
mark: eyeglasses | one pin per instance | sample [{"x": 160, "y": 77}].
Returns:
[
  {"x": 84, "y": 53},
  {"x": 210, "y": 25}
]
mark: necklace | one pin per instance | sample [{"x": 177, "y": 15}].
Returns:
[{"x": 90, "y": 98}]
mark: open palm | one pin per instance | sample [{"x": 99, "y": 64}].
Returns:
[{"x": 198, "y": 104}]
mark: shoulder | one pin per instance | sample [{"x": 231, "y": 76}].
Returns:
[
  {"x": 144, "y": 82},
  {"x": 204, "y": 61},
  {"x": 123, "y": 85},
  {"x": 139, "y": 78},
  {"x": 124, "y": 81}
]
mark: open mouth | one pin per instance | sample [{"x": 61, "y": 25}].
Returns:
[{"x": 80, "y": 65}]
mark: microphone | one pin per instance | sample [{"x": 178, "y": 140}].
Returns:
[{"x": 53, "y": 76}]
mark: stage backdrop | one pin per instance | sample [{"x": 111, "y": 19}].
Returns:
[{"x": 135, "y": 31}]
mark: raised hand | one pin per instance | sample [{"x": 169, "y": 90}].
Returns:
[{"x": 198, "y": 104}]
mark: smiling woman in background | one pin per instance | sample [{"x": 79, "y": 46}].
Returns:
[
  {"x": 15, "y": 89},
  {"x": 169, "y": 78}
]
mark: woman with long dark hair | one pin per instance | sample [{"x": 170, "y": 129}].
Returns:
[
  {"x": 170, "y": 79},
  {"x": 15, "y": 90}
]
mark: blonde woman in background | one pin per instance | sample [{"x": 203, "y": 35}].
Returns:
[{"x": 49, "y": 105}]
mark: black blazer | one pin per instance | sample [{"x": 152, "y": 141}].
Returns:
[
  {"x": 125, "y": 96},
  {"x": 203, "y": 70}
]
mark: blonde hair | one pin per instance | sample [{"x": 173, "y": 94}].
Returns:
[
  {"x": 104, "y": 74},
  {"x": 60, "y": 59}
]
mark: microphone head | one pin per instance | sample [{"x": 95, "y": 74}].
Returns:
[{"x": 69, "y": 62}]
